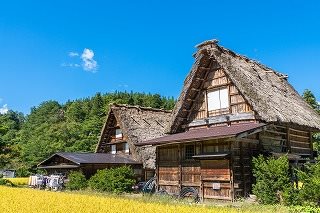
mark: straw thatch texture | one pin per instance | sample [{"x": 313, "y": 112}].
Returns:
[
  {"x": 268, "y": 92},
  {"x": 138, "y": 124}
]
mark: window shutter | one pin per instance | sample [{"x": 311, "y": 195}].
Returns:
[
  {"x": 213, "y": 100},
  {"x": 224, "y": 98}
]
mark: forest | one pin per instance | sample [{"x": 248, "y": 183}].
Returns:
[{"x": 74, "y": 126}]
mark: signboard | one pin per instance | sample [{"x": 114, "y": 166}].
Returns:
[{"x": 216, "y": 186}]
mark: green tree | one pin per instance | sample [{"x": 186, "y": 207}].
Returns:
[{"x": 309, "y": 97}]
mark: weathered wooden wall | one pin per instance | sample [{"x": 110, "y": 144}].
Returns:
[
  {"x": 280, "y": 138},
  {"x": 215, "y": 80},
  {"x": 233, "y": 174},
  {"x": 175, "y": 170}
]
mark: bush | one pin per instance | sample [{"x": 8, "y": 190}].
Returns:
[
  {"x": 5, "y": 182},
  {"x": 23, "y": 172},
  {"x": 115, "y": 180},
  {"x": 304, "y": 209},
  {"x": 272, "y": 178},
  {"x": 310, "y": 178},
  {"x": 77, "y": 181}
]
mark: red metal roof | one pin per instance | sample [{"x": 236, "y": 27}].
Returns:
[{"x": 205, "y": 133}]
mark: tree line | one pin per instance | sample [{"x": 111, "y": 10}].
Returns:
[{"x": 74, "y": 126}]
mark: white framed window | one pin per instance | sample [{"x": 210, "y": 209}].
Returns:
[
  {"x": 113, "y": 149},
  {"x": 126, "y": 148},
  {"x": 118, "y": 133},
  {"x": 218, "y": 99}
]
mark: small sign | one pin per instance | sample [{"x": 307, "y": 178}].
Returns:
[{"x": 216, "y": 186}]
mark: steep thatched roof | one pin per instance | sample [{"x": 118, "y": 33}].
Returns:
[
  {"x": 138, "y": 124},
  {"x": 267, "y": 91}
]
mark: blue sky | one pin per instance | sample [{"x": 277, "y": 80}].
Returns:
[{"x": 144, "y": 46}]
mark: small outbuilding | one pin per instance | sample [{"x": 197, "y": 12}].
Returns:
[{"x": 88, "y": 163}]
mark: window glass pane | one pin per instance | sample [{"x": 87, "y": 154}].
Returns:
[
  {"x": 189, "y": 151},
  {"x": 224, "y": 98},
  {"x": 118, "y": 133},
  {"x": 113, "y": 149},
  {"x": 126, "y": 147},
  {"x": 213, "y": 100}
]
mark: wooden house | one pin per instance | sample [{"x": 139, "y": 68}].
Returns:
[
  {"x": 88, "y": 163},
  {"x": 230, "y": 109},
  {"x": 127, "y": 126}
]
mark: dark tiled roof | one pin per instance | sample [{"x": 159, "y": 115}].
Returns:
[
  {"x": 91, "y": 158},
  {"x": 205, "y": 133}
]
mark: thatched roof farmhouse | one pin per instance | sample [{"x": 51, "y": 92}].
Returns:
[
  {"x": 230, "y": 109},
  {"x": 138, "y": 124}
]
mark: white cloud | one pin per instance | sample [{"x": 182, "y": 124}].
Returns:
[
  {"x": 88, "y": 63},
  {"x": 70, "y": 65},
  {"x": 73, "y": 54},
  {"x": 4, "y": 109},
  {"x": 85, "y": 60}
]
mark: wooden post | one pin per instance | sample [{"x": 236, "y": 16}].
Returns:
[
  {"x": 180, "y": 167},
  {"x": 157, "y": 170},
  {"x": 288, "y": 140},
  {"x": 311, "y": 145},
  {"x": 231, "y": 172}
]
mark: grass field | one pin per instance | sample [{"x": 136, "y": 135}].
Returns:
[{"x": 31, "y": 200}]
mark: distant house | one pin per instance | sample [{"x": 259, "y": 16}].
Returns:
[
  {"x": 8, "y": 173},
  {"x": 125, "y": 126},
  {"x": 88, "y": 163},
  {"x": 230, "y": 109}
]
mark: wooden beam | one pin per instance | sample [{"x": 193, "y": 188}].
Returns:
[
  {"x": 288, "y": 140},
  {"x": 194, "y": 89},
  {"x": 189, "y": 99},
  {"x": 204, "y": 68}
]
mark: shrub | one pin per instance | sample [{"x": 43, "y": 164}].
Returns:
[
  {"x": 310, "y": 178},
  {"x": 5, "y": 182},
  {"x": 77, "y": 181},
  {"x": 23, "y": 172},
  {"x": 115, "y": 180},
  {"x": 272, "y": 178}
]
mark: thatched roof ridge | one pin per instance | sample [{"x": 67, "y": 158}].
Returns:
[
  {"x": 139, "y": 124},
  {"x": 114, "y": 105},
  {"x": 267, "y": 91}
]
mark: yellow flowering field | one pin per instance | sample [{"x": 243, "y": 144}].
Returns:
[
  {"x": 32, "y": 200},
  {"x": 19, "y": 181}
]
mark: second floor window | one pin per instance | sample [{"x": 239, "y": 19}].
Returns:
[
  {"x": 218, "y": 99},
  {"x": 118, "y": 133}
]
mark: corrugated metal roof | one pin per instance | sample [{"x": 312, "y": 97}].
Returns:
[
  {"x": 205, "y": 133},
  {"x": 94, "y": 158}
]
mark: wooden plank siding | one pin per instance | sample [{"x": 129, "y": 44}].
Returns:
[
  {"x": 176, "y": 172},
  {"x": 217, "y": 79},
  {"x": 284, "y": 139}
]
